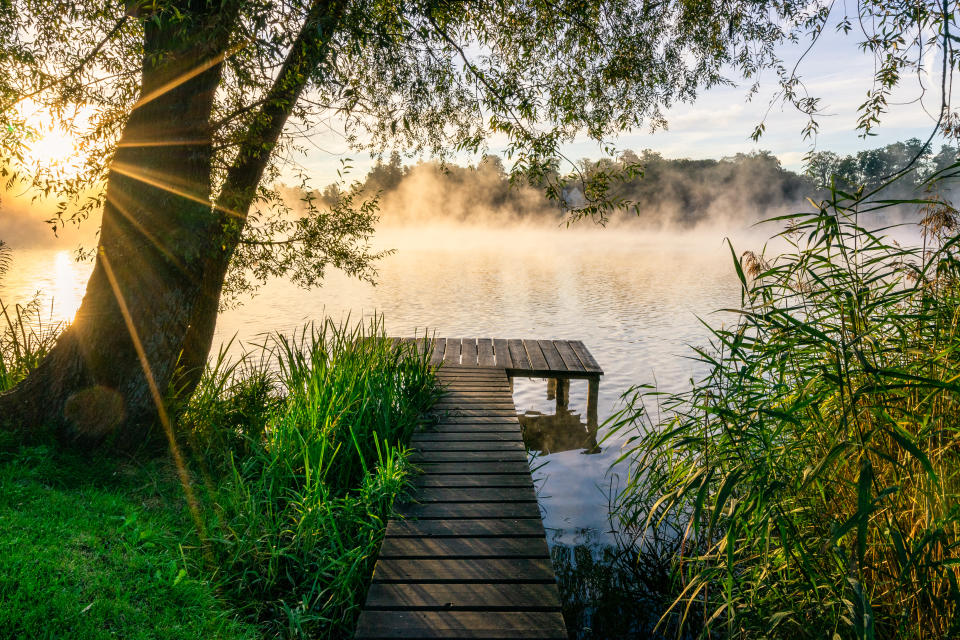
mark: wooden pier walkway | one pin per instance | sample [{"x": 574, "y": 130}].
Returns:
[{"x": 469, "y": 559}]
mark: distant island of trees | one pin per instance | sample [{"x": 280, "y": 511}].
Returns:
[{"x": 671, "y": 192}]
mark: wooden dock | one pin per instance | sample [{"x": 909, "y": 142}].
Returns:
[{"x": 469, "y": 559}]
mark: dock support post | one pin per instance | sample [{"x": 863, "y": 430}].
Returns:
[
  {"x": 593, "y": 394},
  {"x": 551, "y": 388},
  {"x": 563, "y": 394}
]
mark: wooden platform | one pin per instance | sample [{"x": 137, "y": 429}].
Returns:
[{"x": 469, "y": 559}]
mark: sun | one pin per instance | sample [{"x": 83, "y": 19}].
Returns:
[{"x": 49, "y": 146}]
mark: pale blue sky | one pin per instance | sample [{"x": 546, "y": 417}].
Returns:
[{"x": 720, "y": 121}]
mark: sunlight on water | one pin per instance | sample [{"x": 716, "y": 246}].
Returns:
[{"x": 52, "y": 276}]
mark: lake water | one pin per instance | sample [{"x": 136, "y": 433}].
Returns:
[{"x": 632, "y": 297}]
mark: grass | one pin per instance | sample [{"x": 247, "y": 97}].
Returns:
[
  {"x": 296, "y": 455},
  {"x": 100, "y": 551},
  {"x": 814, "y": 472}
]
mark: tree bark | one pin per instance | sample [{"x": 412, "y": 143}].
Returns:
[
  {"x": 239, "y": 190},
  {"x": 147, "y": 320},
  {"x": 112, "y": 365}
]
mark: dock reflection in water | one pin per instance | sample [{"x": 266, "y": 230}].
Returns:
[{"x": 562, "y": 431}]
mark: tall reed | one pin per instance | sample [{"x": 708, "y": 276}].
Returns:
[
  {"x": 815, "y": 469},
  {"x": 303, "y": 446},
  {"x": 25, "y": 336}
]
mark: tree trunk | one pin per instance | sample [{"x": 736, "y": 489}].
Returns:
[
  {"x": 112, "y": 366},
  {"x": 150, "y": 308}
]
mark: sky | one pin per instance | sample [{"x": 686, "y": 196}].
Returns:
[
  {"x": 717, "y": 124},
  {"x": 720, "y": 121}
]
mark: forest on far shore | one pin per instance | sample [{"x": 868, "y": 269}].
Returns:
[{"x": 671, "y": 192}]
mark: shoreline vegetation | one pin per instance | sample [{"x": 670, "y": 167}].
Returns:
[
  {"x": 813, "y": 475},
  {"x": 295, "y": 454}
]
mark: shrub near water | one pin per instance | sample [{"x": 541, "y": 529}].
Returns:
[
  {"x": 303, "y": 446},
  {"x": 815, "y": 469}
]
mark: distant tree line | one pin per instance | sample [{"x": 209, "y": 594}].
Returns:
[
  {"x": 872, "y": 167},
  {"x": 669, "y": 192}
]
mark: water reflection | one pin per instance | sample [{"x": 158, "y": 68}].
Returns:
[{"x": 561, "y": 431}]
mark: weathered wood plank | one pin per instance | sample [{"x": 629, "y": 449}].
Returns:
[
  {"x": 519, "y": 570},
  {"x": 485, "y": 352},
  {"x": 474, "y": 467},
  {"x": 466, "y": 527},
  {"x": 468, "y": 445},
  {"x": 452, "y": 353},
  {"x": 496, "y": 401},
  {"x": 589, "y": 363},
  {"x": 541, "y": 625},
  {"x": 479, "y": 429},
  {"x": 479, "y": 420},
  {"x": 501, "y": 353},
  {"x": 570, "y": 359},
  {"x": 452, "y": 597},
  {"x": 468, "y": 351},
  {"x": 518, "y": 354},
  {"x": 454, "y": 481},
  {"x": 476, "y": 396},
  {"x": 476, "y": 494},
  {"x": 464, "y": 548},
  {"x": 483, "y": 436},
  {"x": 436, "y": 357},
  {"x": 535, "y": 354},
  {"x": 514, "y": 455},
  {"x": 475, "y": 413},
  {"x": 554, "y": 361},
  {"x": 470, "y": 510},
  {"x": 467, "y": 407}
]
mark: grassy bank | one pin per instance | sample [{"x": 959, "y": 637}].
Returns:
[
  {"x": 812, "y": 476},
  {"x": 296, "y": 456}
]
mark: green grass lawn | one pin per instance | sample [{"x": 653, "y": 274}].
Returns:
[
  {"x": 100, "y": 550},
  {"x": 295, "y": 454}
]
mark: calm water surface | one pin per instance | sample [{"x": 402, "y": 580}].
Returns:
[{"x": 633, "y": 298}]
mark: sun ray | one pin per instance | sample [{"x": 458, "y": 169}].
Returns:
[{"x": 136, "y": 174}]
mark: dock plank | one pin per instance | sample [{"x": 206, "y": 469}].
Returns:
[
  {"x": 589, "y": 363},
  {"x": 541, "y": 625},
  {"x": 467, "y": 436},
  {"x": 570, "y": 359},
  {"x": 474, "y": 467},
  {"x": 464, "y": 597},
  {"x": 476, "y": 494},
  {"x": 451, "y": 355},
  {"x": 455, "y": 481},
  {"x": 439, "y": 345},
  {"x": 471, "y": 510},
  {"x": 429, "y": 547},
  {"x": 502, "y": 353},
  {"x": 537, "y": 360},
  {"x": 518, "y": 354},
  {"x": 468, "y": 352},
  {"x": 467, "y": 527},
  {"x": 485, "y": 357},
  {"x": 554, "y": 361},
  {"x": 469, "y": 445},
  {"x": 434, "y": 570}
]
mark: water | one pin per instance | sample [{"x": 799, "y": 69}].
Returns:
[{"x": 633, "y": 298}]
